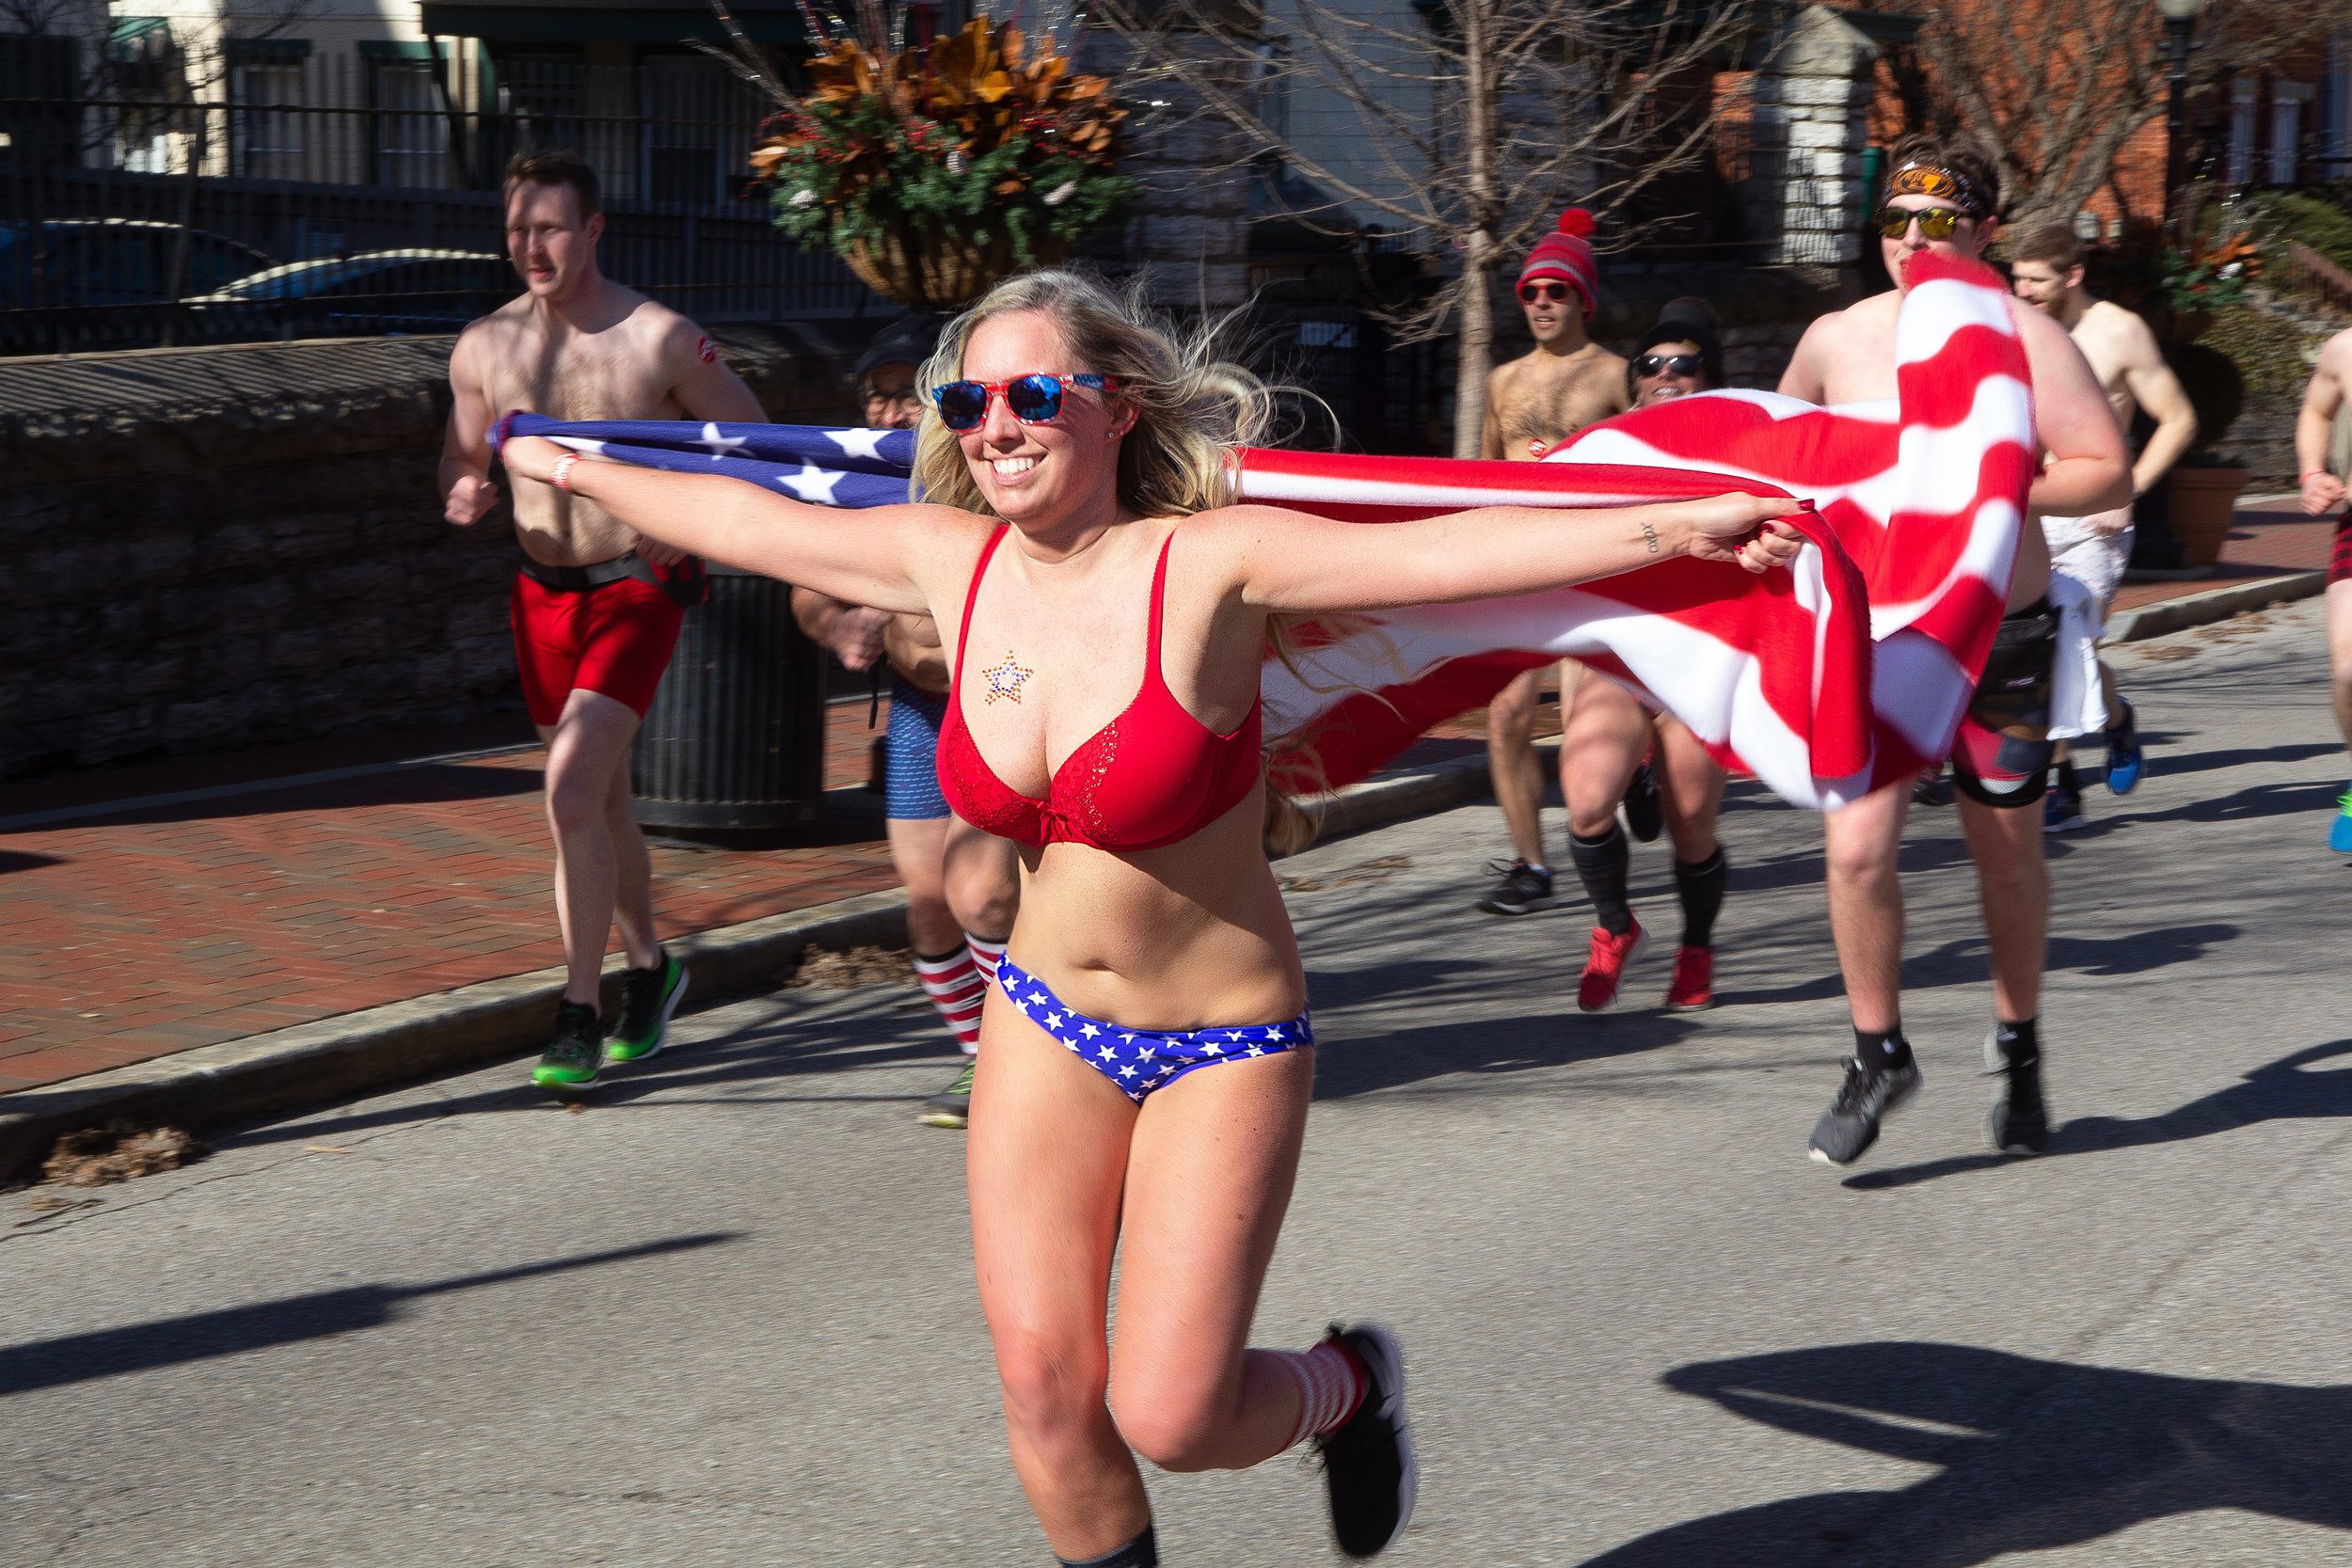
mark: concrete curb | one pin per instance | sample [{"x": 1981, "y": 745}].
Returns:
[
  {"x": 2215, "y": 604},
  {"x": 354, "y": 1053}
]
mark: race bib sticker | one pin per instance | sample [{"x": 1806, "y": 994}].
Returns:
[{"x": 708, "y": 351}]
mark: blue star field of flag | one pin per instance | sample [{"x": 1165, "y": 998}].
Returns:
[{"x": 820, "y": 464}]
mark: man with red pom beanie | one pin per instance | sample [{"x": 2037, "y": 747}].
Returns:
[{"x": 1533, "y": 404}]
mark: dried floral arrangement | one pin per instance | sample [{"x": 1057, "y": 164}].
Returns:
[{"x": 933, "y": 172}]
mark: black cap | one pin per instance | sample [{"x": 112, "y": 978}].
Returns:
[
  {"x": 1688, "y": 319},
  {"x": 908, "y": 341}
]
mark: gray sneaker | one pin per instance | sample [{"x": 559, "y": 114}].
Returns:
[{"x": 1851, "y": 1125}]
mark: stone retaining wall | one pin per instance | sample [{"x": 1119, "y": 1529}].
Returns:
[{"x": 219, "y": 548}]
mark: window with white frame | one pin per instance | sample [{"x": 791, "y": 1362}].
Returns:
[
  {"x": 2286, "y": 130},
  {"x": 412, "y": 135},
  {"x": 269, "y": 139}
]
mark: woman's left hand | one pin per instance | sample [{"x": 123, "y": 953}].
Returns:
[{"x": 1745, "y": 529}]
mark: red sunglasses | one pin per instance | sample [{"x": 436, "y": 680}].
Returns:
[{"x": 1555, "y": 292}]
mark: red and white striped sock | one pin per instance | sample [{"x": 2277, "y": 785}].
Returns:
[
  {"x": 1332, "y": 1382},
  {"x": 986, "y": 954},
  {"x": 956, "y": 988}
]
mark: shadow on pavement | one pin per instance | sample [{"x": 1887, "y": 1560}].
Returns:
[
  {"x": 1960, "y": 961},
  {"x": 754, "y": 1054},
  {"x": 1362, "y": 1064},
  {"x": 17, "y": 860},
  {"x": 2034, "y": 1455},
  {"x": 80, "y": 1357},
  {"x": 2164, "y": 766},
  {"x": 2282, "y": 1091}
]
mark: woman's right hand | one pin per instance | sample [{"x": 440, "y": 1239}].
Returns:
[
  {"x": 531, "y": 457},
  {"x": 1744, "y": 529}
]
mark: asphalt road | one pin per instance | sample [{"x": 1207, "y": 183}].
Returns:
[{"x": 725, "y": 1316}]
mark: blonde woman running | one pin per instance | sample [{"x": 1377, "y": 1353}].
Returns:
[{"x": 1147, "y": 1057}]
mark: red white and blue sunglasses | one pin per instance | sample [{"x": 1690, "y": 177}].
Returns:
[{"x": 1030, "y": 398}]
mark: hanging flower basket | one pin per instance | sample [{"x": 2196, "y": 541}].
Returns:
[{"x": 936, "y": 173}]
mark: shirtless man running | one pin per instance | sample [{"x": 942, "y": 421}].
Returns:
[
  {"x": 2323, "y": 488},
  {"x": 1942, "y": 197},
  {"x": 594, "y": 622},
  {"x": 1606, "y": 734},
  {"x": 1533, "y": 405},
  {"x": 964, "y": 886},
  {"x": 2046, "y": 269}
]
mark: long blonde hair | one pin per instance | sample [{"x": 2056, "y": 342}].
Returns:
[
  {"x": 1194, "y": 412},
  {"x": 1193, "y": 409}
]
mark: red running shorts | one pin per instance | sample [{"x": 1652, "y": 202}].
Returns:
[
  {"x": 2340, "y": 559},
  {"x": 615, "y": 640}
]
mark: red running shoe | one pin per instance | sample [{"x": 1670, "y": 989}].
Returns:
[
  {"x": 1604, "y": 967},
  {"x": 1694, "y": 984}
]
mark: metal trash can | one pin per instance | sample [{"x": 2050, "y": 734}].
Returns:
[{"x": 735, "y": 736}]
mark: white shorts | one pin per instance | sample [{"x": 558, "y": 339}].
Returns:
[{"x": 2093, "y": 558}]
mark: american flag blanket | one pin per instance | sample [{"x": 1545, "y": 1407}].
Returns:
[{"x": 1848, "y": 669}]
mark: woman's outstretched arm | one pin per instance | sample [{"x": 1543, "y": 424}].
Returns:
[
  {"x": 1291, "y": 561},
  {"x": 873, "y": 556}
]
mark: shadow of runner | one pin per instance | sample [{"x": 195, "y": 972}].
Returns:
[
  {"x": 2035, "y": 1455},
  {"x": 2280, "y": 1091},
  {"x": 80, "y": 1357},
  {"x": 1364, "y": 1063}
]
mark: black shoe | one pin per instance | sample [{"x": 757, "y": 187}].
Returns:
[
  {"x": 1932, "y": 789},
  {"x": 568, "y": 1066},
  {"x": 1643, "y": 816},
  {"x": 1522, "y": 890},
  {"x": 951, "y": 1107},
  {"x": 1368, "y": 1464},
  {"x": 2019, "y": 1123},
  {"x": 1851, "y": 1125}
]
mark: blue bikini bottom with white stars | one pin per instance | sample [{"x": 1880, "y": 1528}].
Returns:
[{"x": 1141, "y": 1060}]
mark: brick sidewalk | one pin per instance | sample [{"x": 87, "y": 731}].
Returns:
[{"x": 155, "y": 929}]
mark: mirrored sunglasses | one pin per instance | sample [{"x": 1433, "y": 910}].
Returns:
[
  {"x": 1937, "y": 223},
  {"x": 1030, "y": 398},
  {"x": 1669, "y": 364}
]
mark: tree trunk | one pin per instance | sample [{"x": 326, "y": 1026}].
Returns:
[{"x": 1474, "y": 348}]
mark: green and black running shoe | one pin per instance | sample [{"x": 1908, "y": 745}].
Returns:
[
  {"x": 568, "y": 1066},
  {"x": 952, "y": 1106},
  {"x": 649, "y": 996}
]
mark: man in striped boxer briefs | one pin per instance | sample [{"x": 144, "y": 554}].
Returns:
[{"x": 962, "y": 886}]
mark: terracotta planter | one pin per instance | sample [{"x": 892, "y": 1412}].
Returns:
[
  {"x": 2203, "y": 501},
  {"x": 926, "y": 269}
]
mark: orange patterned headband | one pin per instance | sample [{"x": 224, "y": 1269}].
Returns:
[{"x": 1942, "y": 183}]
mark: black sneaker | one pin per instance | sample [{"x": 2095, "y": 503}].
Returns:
[
  {"x": 1643, "y": 816},
  {"x": 1933, "y": 788},
  {"x": 2019, "y": 1123},
  {"x": 951, "y": 1107},
  {"x": 1851, "y": 1125},
  {"x": 568, "y": 1066},
  {"x": 2062, "y": 810},
  {"x": 1368, "y": 1464},
  {"x": 1523, "y": 890}
]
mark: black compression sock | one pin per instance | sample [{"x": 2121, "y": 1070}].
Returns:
[
  {"x": 2019, "y": 1042},
  {"x": 1882, "y": 1050},
  {"x": 1600, "y": 864},
  {"x": 1702, "y": 890},
  {"x": 2066, "y": 776},
  {"x": 1142, "y": 1552}
]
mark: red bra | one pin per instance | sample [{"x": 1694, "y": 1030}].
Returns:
[{"x": 1150, "y": 777}]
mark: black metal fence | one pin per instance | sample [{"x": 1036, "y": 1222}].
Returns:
[{"x": 311, "y": 198}]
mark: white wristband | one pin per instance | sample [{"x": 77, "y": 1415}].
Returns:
[{"x": 561, "y": 475}]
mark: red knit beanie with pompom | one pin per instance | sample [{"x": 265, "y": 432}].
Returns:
[{"x": 1567, "y": 252}]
